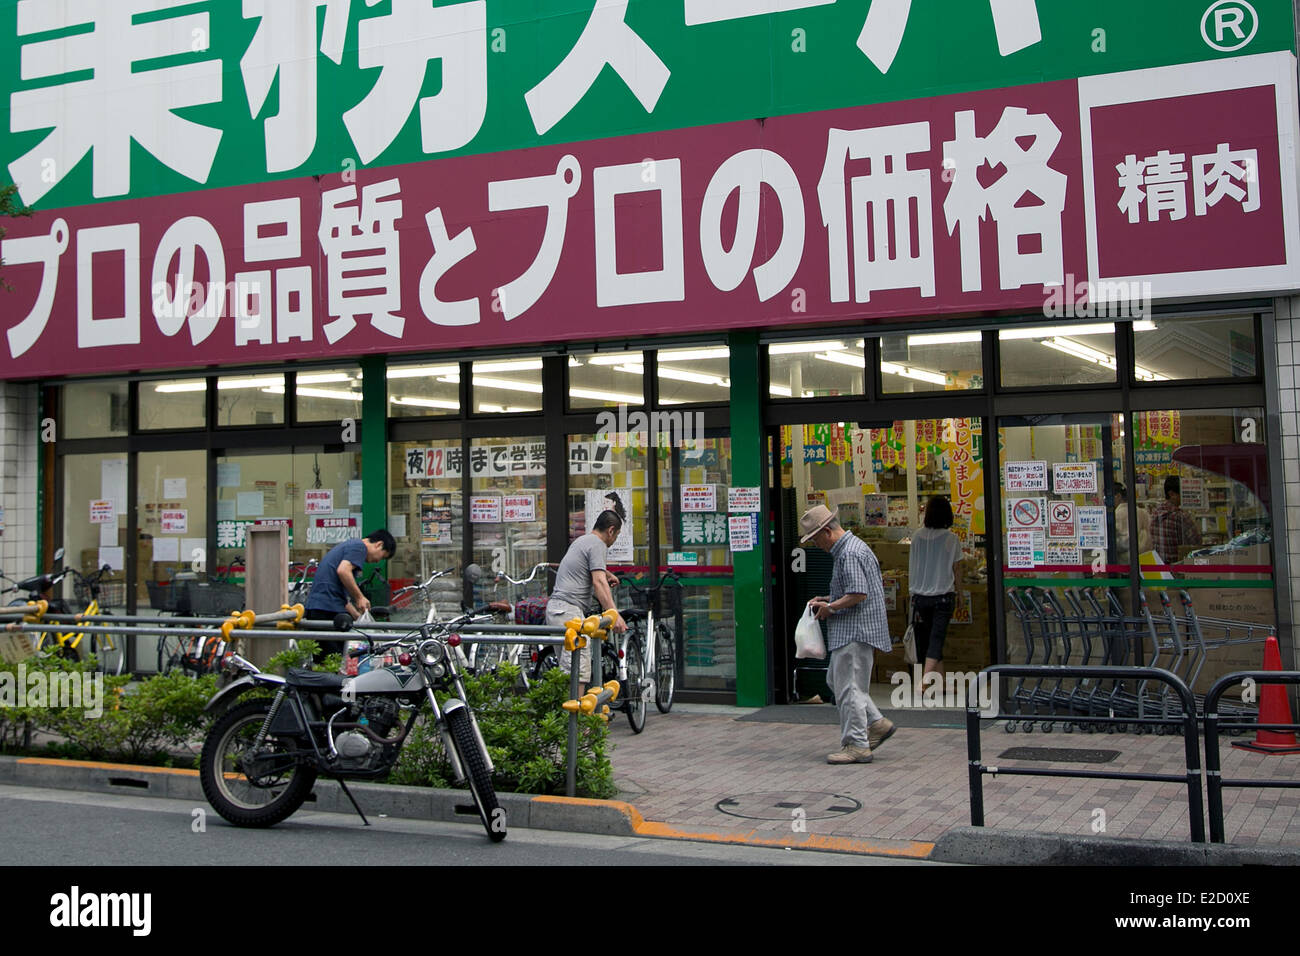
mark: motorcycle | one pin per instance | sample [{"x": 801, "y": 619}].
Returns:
[{"x": 262, "y": 756}]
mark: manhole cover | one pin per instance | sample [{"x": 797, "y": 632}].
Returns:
[
  {"x": 1059, "y": 754},
  {"x": 780, "y": 805}
]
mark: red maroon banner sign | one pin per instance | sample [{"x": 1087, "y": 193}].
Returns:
[{"x": 1119, "y": 189}]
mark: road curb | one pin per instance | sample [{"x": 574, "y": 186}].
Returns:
[{"x": 999, "y": 847}]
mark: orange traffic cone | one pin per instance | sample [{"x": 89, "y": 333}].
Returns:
[{"x": 1274, "y": 708}]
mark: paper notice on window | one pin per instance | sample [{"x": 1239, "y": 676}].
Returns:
[
  {"x": 194, "y": 551},
  {"x": 250, "y": 504},
  {"x": 227, "y": 474},
  {"x": 174, "y": 488},
  {"x": 1025, "y": 476},
  {"x": 108, "y": 535},
  {"x": 115, "y": 558},
  {"x": 226, "y": 510},
  {"x": 354, "y": 492},
  {"x": 742, "y": 532},
  {"x": 1020, "y": 549},
  {"x": 166, "y": 549},
  {"x": 397, "y": 526},
  {"x": 113, "y": 482}
]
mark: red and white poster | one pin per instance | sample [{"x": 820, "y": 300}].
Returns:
[
  {"x": 1061, "y": 520},
  {"x": 318, "y": 501},
  {"x": 175, "y": 522},
  {"x": 518, "y": 507},
  {"x": 485, "y": 509}
]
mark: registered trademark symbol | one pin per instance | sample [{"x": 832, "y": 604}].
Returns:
[{"x": 1233, "y": 24}]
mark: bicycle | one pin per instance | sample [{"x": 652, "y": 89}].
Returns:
[
  {"x": 649, "y": 614},
  {"x": 108, "y": 655},
  {"x": 529, "y": 609},
  {"x": 302, "y": 575}
]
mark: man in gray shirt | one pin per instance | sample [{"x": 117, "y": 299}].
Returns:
[{"x": 580, "y": 575}]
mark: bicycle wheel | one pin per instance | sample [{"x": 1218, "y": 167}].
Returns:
[
  {"x": 110, "y": 653},
  {"x": 665, "y": 666},
  {"x": 635, "y": 702},
  {"x": 171, "y": 653}
]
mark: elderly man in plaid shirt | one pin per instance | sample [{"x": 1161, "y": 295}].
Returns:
[{"x": 856, "y": 629}]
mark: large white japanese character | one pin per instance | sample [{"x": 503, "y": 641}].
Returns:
[
  {"x": 746, "y": 173},
  {"x": 117, "y": 104},
  {"x": 715, "y": 11},
  {"x": 1160, "y": 181},
  {"x": 1014, "y": 21},
  {"x": 182, "y": 240},
  {"x": 606, "y": 39},
  {"x": 47, "y": 250},
  {"x": 552, "y": 191},
  {"x": 107, "y": 331},
  {"x": 1217, "y": 171},
  {"x": 285, "y": 45},
  {"x": 666, "y": 284},
  {"x": 403, "y": 43},
  {"x": 362, "y": 246},
  {"x": 1026, "y": 175},
  {"x": 880, "y": 199},
  {"x": 447, "y": 251}
]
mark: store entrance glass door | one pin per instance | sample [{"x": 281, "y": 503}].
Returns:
[{"x": 879, "y": 480}]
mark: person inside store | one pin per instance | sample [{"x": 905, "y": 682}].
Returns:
[
  {"x": 1173, "y": 530},
  {"x": 856, "y": 628},
  {"x": 1121, "y": 525},
  {"x": 580, "y": 576},
  {"x": 334, "y": 589},
  {"x": 932, "y": 581}
]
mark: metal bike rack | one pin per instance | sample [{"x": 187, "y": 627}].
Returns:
[
  {"x": 1188, "y": 721},
  {"x": 1213, "y": 769}
]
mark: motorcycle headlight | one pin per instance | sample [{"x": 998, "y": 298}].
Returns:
[{"x": 431, "y": 653}]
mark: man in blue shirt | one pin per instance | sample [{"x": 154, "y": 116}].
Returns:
[{"x": 334, "y": 589}]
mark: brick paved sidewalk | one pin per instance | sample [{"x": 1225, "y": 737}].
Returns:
[{"x": 688, "y": 761}]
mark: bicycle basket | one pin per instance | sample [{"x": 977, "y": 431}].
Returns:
[
  {"x": 162, "y": 597},
  {"x": 112, "y": 593},
  {"x": 215, "y": 599}
]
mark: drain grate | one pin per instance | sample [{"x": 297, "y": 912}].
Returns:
[
  {"x": 784, "y": 805},
  {"x": 1059, "y": 754}
]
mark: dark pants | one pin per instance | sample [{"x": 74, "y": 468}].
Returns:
[
  {"x": 327, "y": 647},
  {"x": 931, "y": 614}
]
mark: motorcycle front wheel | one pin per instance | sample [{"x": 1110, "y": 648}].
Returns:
[
  {"x": 281, "y": 785},
  {"x": 474, "y": 760}
]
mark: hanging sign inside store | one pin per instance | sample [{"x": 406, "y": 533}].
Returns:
[
  {"x": 318, "y": 501},
  {"x": 741, "y": 528},
  {"x": 1193, "y": 494},
  {"x": 485, "y": 509},
  {"x": 1026, "y": 513},
  {"x": 1074, "y": 477},
  {"x": 267, "y": 265},
  {"x": 175, "y": 522},
  {"x": 332, "y": 530},
  {"x": 699, "y": 498},
  {"x": 435, "y": 519},
  {"x": 1092, "y": 526},
  {"x": 744, "y": 499},
  {"x": 860, "y": 447},
  {"x": 1025, "y": 476},
  {"x": 519, "y": 507},
  {"x": 875, "y": 510},
  {"x": 102, "y": 511},
  {"x": 1061, "y": 521}
]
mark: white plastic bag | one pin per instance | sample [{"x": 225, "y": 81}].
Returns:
[
  {"x": 909, "y": 646},
  {"x": 808, "y": 640}
]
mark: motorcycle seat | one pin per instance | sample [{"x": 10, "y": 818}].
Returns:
[{"x": 314, "y": 680}]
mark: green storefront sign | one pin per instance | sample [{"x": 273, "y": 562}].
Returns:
[{"x": 113, "y": 99}]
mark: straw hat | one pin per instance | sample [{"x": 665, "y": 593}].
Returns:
[{"x": 814, "y": 519}]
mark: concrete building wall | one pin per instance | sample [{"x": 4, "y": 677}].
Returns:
[{"x": 18, "y": 488}]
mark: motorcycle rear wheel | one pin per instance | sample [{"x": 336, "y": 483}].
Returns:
[
  {"x": 241, "y": 801},
  {"x": 474, "y": 760}
]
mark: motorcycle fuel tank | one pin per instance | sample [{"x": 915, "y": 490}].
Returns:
[{"x": 393, "y": 678}]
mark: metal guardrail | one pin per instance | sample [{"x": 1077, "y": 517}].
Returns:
[
  {"x": 1188, "y": 721},
  {"x": 1214, "y": 780}
]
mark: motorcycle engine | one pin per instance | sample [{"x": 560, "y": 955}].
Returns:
[{"x": 356, "y": 750}]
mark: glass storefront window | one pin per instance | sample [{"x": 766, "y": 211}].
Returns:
[
  {"x": 416, "y": 390},
  {"x": 94, "y": 518},
  {"x": 815, "y": 368},
  {"x": 507, "y": 385},
  {"x": 326, "y": 395},
  {"x": 606, "y": 379},
  {"x": 250, "y": 399},
  {"x": 172, "y": 518},
  {"x": 599, "y": 469},
  {"x": 1218, "y": 347},
  {"x": 1058, "y": 355},
  {"x": 701, "y": 374},
  {"x": 177, "y": 403},
  {"x": 426, "y": 515},
  {"x": 931, "y": 362},
  {"x": 507, "y": 502},
  {"x": 93, "y": 409}
]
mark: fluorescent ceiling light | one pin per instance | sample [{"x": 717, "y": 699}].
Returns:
[
  {"x": 1145, "y": 325},
  {"x": 423, "y": 371},
  {"x": 698, "y": 378},
  {"x": 488, "y": 407},
  {"x": 934, "y": 378},
  {"x": 691, "y": 355},
  {"x": 1082, "y": 351},
  {"x": 613, "y": 358},
  {"x": 1047, "y": 332},
  {"x": 260, "y": 381},
  {"x": 167, "y": 387},
  {"x": 320, "y": 378},
  {"x": 842, "y": 358},
  {"x": 783, "y": 391},
  {"x": 525, "y": 365},
  {"x": 507, "y": 385},
  {"x": 623, "y": 398},
  {"x": 798, "y": 348},
  {"x": 316, "y": 393},
  {"x": 425, "y": 402},
  {"x": 943, "y": 338}
]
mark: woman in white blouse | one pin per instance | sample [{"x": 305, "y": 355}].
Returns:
[{"x": 932, "y": 576}]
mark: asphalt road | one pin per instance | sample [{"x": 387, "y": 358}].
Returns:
[{"x": 70, "y": 828}]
